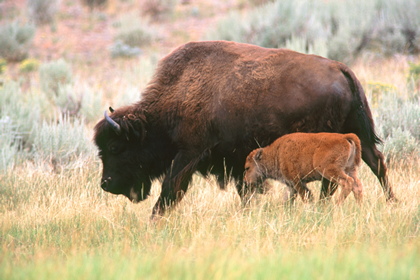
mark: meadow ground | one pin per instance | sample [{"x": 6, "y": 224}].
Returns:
[{"x": 64, "y": 226}]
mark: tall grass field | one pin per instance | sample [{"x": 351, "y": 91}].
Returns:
[{"x": 57, "y": 223}]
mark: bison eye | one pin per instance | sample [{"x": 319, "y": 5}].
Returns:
[
  {"x": 115, "y": 149},
  {"x": 247, "y": 168}
]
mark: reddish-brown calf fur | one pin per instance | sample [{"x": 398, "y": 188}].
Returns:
[{"x": 299, "y": 158}]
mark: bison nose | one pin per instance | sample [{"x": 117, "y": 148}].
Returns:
[{"x": 104, "y": 183}]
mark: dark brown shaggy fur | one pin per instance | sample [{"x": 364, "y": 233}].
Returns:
[{"x": 211, "y": 103}]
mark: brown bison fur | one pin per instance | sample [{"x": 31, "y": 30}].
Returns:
[
  {"x": 299, "y": 158},
  {"x": 210, "y": 104}
]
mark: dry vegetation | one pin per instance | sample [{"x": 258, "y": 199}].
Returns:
[{"x": 56, "y": 222}]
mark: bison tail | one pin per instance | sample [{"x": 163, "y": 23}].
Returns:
[{"x": 360, "y": 120}]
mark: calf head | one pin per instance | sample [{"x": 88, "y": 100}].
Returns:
[
  {"x": 254, "y": 170},
  {"x": 120, "y": 139}
]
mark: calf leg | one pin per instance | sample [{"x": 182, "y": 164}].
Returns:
[
  {"x": 289, "y": 195},
  {"x": 357, "y": 188},
  {"x": 327, "y": 190},
  {"x": 336, "y": 175},
  {"x": 303, "y": 191},
  {"x": 245, "y": 192},
  {"x": 346, "y": 182}
]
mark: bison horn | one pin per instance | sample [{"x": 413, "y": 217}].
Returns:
[{"x": 115, "y": 126}]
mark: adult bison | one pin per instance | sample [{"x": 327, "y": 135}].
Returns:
[{"x": 210, "y": 104}]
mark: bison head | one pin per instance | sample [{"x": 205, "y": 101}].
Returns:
[{"x": 120, "y": 139}]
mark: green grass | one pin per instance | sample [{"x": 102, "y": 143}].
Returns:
[{"x": 63, "y": 226}]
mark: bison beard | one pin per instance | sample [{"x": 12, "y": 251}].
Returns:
[{"x": 210, "y": 104}]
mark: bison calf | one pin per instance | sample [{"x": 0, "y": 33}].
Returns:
[{"x": 299, "y": 158}]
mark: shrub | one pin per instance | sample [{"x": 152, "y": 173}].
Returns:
[
  {"x": 42, "y": 11},
  {"x": 15, "y": 40},
  {"x": 396, "y": 26},
  {"x": 276, "y": 24},
  {"x": 29, "y": 65},
  {"x": 135, "y": 36},
  {"x": 401, "y": 144},
  {"x": 92, "y": 4},
  {"x": 67, "y": 100},
  {"x": 398, "y": 121},
  {"x": 134, "y": 32},
  {"x": 19, "y": 112},
  {"x": 377, "y": 90},
  {"x": 54, "y": 75},
  {"x": 3, "y": 64},
  {"x": 61, "y": 144},
  {"x": 91, "y": 102},
  {"x": 346, "y": 28},
  {"x": 10, "y": 141},
  {"x": 158, "y": 9},
  {"x": 119, "y": 49}
]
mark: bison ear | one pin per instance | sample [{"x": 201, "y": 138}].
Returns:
[
  {"x": 138, "y": 124},
  {"x": 258, "y": 154}
]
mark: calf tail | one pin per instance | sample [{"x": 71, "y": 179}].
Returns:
[{"x": 356, "y": 149}]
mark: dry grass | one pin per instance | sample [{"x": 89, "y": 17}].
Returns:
[{"x": 57, "y": 224}]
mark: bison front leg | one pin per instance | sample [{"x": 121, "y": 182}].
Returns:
[{"x": 175, "y": 184}]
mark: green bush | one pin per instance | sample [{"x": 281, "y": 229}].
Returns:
[
  {"x": 345, "y": 28},
  {"x": 3, "y": 64},
  {"x": 61, "y": 144},
  {"x": 42, "y": 11},
  {"x": 92, "y": 4},
  {"x": 401, "y": 144},
  {"x": 10, "y": 142},
  {"x": 158, "y": 9},
  {"x": 119, "y": 49},
  {"x": 15, "y": 41},
  {"x": 91, "y": 102},
  {"x": 135, "y": 37},
  {"x": 31, "y": 130},
  {"x": 29, "y": 65},
  {"x": 134, "y": 32},
  {"x": 23, "y": 110},
  {"x": 53, "y": 75},
  {"x": 398, "y": 122}
]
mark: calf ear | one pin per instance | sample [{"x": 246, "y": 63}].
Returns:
[{"x": 258, "y": 154}]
